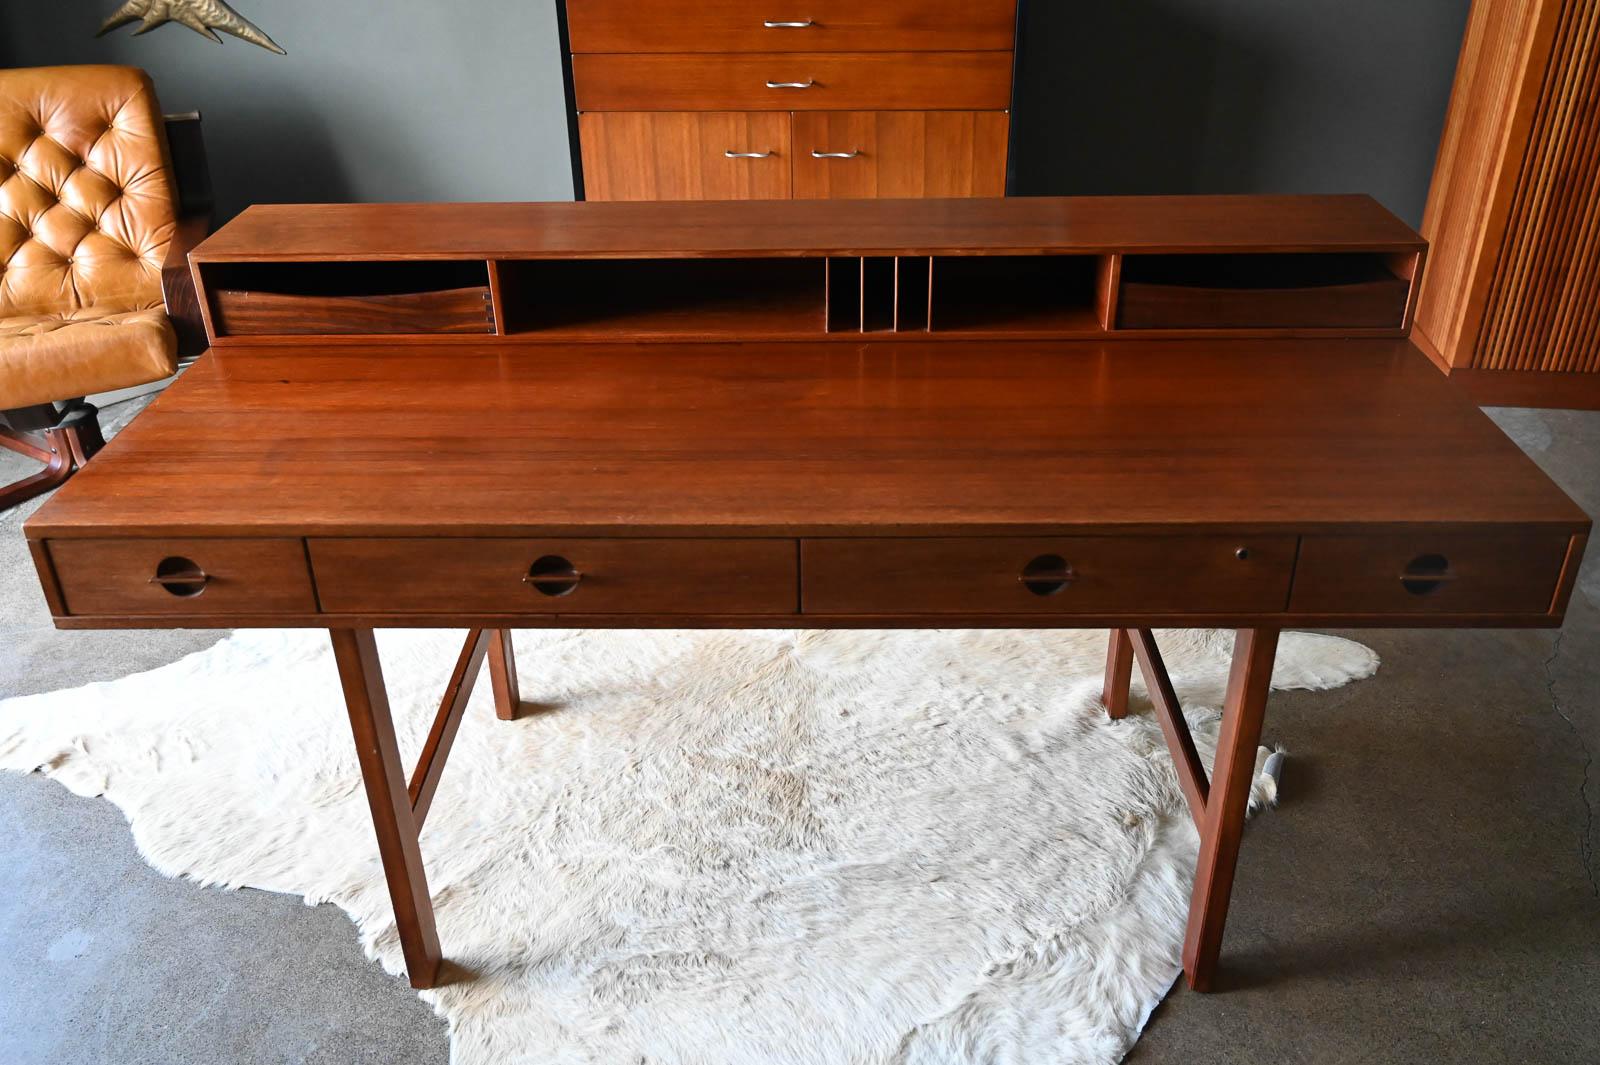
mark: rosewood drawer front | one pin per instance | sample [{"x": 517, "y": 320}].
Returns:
[
  {"x": 1428, "y": 573},
  {"x": 785, "y": 25},
  {"x": 797, "y": 81},
  {"x": 246, "y": 313},
  {"x": 203, "y": 576},
  {"x": 1046, "y": 575},
  {"x": 556, "y": 576}
]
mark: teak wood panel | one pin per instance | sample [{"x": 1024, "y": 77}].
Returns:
[
  {"x": 1011, "y": 226},
  {"x": 601, "y": 576},
  {"x": 520, "y": 438},
  {"x": 823, "y": 25},
  {"x": 1045, "y": 575},
  {"x": 837, "y": 81},
  {"x": 899, "y": 153},
  {"x": 118, "y": 576},
  {"x": 671, "y": 155},
  {"x": 1514, "y": 571}
]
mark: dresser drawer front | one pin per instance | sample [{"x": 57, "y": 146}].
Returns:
[
  {"x": 904, "y": 154},
  {"x": 1064, "y": 575},
  {"x": 176, "y": 576},
  {"x": 555, "y": 576},
  {"x": 1425, "y": 573},
  {"x": 678, "y": 155},
  {"x": 799, "y": 81},
  {"x": 786, "y": 26}
]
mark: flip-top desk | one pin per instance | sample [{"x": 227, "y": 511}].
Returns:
[{"x": 1120, "y": 413}]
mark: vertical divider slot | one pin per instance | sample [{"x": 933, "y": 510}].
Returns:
[
  {"x": 844, "y": 294},
  {"x": 877, "y": 294},
  {"x": 1107, "y": 283},
  {"x": 913, "y": 275}
]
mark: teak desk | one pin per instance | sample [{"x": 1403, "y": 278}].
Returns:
[{"x": 1006, "y": 413}]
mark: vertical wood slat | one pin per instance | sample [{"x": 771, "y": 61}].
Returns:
[{"x": 1514, "y": 211}]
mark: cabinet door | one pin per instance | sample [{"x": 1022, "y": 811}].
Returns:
[
  {"x": 866, "y": 154},
  {"x": 665, "y": 155}
]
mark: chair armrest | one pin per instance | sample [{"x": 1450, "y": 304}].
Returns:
[{"x": 177, "y": 284}]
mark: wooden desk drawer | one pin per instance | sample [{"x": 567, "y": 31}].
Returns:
[
  {"x": 556, "y": 576},
  {"x": 221, "y": 577},
  {"x": 801, "y": 81},
  {"x": 1127, "y": 575},
  {"x": 1429, "y": 573},
  {"x": 785, "y": 25}
]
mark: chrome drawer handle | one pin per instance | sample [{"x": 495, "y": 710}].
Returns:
[
  {"x": 775, "y": 25},
  {"x": 747, "y": 155},
  {"x": 834, "y": 155},
  {"x": 808, "y": 83}
]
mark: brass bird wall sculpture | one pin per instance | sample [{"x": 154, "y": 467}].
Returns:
[{"x": 205, "y": 17}]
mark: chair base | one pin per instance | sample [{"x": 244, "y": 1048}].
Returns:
[{"x": 64, "y": 440}]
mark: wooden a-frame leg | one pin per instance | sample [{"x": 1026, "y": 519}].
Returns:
[
  {"x": 1119, "y": 674},
  {"x": 392, "y": 816},
  {"x": 1243, "y": 711},
  {"x": 503, "y": 676}
]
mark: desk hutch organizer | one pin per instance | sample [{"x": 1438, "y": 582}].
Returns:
[
  {"x": 1087, "y": 268},
  {"x": 773, "y": 99},
  {"x": 998, "y": 413}
]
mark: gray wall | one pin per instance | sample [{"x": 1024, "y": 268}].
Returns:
[
  {"x": 386, "y": 100},
  {"x": 462, "y": 99},
  {"x": 1171, "y": 96}
]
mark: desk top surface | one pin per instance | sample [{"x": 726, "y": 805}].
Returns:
[{"x": 907, "y": 438}]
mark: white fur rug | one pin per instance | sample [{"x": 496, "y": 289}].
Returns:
[{"x": 737, "y": 848}]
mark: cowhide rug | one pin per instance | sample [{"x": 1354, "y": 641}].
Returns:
[{"x": 708, "y": 848}]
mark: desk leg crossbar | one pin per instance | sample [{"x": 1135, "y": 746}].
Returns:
[
  {"x": 1217, "y": 803},
  {"x": 398, "y": 807}
]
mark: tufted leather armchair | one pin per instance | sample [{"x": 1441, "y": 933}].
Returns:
[{"x": 92, "y": 253}]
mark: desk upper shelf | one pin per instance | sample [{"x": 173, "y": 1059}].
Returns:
[{"x": 1110, "y": 267}]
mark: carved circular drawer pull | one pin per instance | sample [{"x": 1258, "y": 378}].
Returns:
[
  {"x": 181, "y": 577},
  {"x": 553, "y": 575},
  {"x": 808, "y": 83},
  {"x": 1426, "y": 574},
  {"x": 1047, "y": 575}
]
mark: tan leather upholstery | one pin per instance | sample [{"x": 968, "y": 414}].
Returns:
[{"x": 86, "y": 215}]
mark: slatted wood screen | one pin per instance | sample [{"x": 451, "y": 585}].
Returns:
[{"x": 1513, "y": 215}]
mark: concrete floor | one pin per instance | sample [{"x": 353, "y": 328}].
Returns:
[{"x": 1429, "y": 889}]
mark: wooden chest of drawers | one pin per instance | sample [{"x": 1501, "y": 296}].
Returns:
[{"x": 751, "y": 99}]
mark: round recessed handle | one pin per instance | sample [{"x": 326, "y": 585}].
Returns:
[
  {"x": 553, "y": 575},
  {"x": 1047, "y": 575},
  {"x": 181, "y": 577},
  {"x": 1426, "y": 574}
]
